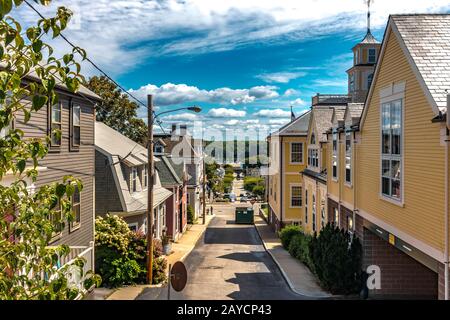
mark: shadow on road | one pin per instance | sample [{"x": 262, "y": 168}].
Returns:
[
  {"x": 245, "y": 256},
  {"x": 230, "y": 236}
]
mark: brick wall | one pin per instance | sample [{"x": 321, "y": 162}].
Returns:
[
  {"x": 401, "y": 275},
  {"x": 331, "y": 206}
]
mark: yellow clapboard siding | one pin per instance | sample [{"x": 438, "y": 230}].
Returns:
[{"x": 422, "y": 216}]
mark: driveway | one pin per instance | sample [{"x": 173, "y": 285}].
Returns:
[{"x": 229, "y": 262}]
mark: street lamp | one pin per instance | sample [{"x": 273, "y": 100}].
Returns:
[{"x": 151, "y": 120}]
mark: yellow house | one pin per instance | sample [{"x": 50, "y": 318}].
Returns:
[
  {"x": 315, "y": 175},
  {"x": 287, "y": 156},
  {"x": 402, "y": 162}
]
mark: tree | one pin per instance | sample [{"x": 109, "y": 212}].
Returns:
[
  {"x": 27, "y": 265},
  {"x": 117, "y": 111}
]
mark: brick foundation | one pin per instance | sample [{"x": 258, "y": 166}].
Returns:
[
  {"x": 401, "y": 275},
  {"x": 274, "y": 222}
]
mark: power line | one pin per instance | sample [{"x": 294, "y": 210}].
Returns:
[{"x": 89, "y": 60}]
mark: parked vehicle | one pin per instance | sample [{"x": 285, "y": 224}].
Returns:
[
  {"x": 243, "y": 199},
  {"x": 232, "y": 197}
]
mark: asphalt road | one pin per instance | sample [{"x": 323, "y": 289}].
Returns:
[{"x": 229, "y": 262}]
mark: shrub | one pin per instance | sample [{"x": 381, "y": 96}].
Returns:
[
  {"x": 251, "y": 182},
  {"x": 336, "y": 263},
  {"x": 299, "y": 248},
  {"x": 121, "y": 254},
  {"x": 159, "y": 270},
  {"x": 190, "y": 215},
  {"x": 287, "y": 233},
  {"x": 259, "y": 191}
]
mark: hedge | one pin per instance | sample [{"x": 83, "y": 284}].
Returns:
[{"x": 287, "y": 233}]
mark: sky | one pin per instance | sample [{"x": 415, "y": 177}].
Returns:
[{"x": 244, "y": 62}]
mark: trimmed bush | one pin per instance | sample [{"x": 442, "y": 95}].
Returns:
[
  {"x": 299, "y": 248},
  {"x": 287, "y": 233},
  {"x": 337, "y": 263},
  {"x": 190, "y": 215}
]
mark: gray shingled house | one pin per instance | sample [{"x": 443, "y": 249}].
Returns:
[{"x": 122, "y": 181}]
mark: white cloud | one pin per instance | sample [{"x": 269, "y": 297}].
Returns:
[
  {"x": 299, "y": 102},
  {"x": 280, "y": 77},
  {"x": 172, "y": 94},
  {"x": 273, "y": 113},
  {"x": 226, "y": 113},
  {"x": 290, "y": 92},
  {"x": 279, "y": 121},
  {"x": 128, "y": 31},
  {"x": 232, "y": 122},
  {"x": 181, "y": 116}
]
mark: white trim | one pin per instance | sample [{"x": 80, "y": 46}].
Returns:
[
  {"x": 392, "y": 27},
  {"x": 420, "y": 245},
  {"x": 395, "y": 96},
  {"x": 290, "y": 153},
  {"x": 134, "y": 224},
  {"x": 290, "y": 195}
]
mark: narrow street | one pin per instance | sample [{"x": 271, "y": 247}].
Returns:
[{"x": 229, "y": 262}]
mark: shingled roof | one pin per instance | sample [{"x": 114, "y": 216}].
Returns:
[
  {"x": 427, "y": 38},
  {"x": 322, "y": 119},
  {"x": 167, "y": 173},
  {"x": 299, "y": 126}
]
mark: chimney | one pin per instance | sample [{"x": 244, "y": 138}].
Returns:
[{"x": 183, "y": 129}]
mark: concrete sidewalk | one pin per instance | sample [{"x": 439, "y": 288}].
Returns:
[
  {"x": 180, "y": 250},
  {"x": 300, "y": 279}
]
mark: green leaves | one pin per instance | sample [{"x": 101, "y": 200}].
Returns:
[
  {"x": 39, "y": 101},
  {"x": 5, "y": 7}
]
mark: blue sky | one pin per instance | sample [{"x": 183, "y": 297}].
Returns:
[{"x": 244, "y": 62}]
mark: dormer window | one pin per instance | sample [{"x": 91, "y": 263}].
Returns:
[
  {"x": 133, "y": 179},
  {"x": 372, "y": 55},
  {"x": 335, "y": 155},
  {"x": 313, "y": 138},
  {"x": 159, "y": 148}
]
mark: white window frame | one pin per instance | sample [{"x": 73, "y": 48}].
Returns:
[
  {"x": 134, "y": 224},
  {"x": 337, "y": 217},
  {"x": 291, "y": 186},
  {"x": 134, "y": 181},
  {"x": 145, "y": 177},
  {"x": 75, "y": 225},
  {"x": 313, "y": 158},
  {"x": 335, "y": 156},
  {"x": 301, "y": 152},
  {"x": 348, "y": 158},
  {"x": 390, "y": 95},
  {"x": 374, "y": 55}
]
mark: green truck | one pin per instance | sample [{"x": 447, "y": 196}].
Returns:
[{"x": 244, "y": 215}]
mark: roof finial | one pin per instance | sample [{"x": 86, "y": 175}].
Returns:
[{"x": 369, "y": 2}]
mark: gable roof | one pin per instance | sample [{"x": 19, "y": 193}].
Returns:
[
  {"x": 167, "y": 173},
  {"x": 427, "y": 38},
  {"x": 425, "y": 41},
  {"x": 322, "y": 121},
  {"x": 114, "y": 143},
  {"x": 299, "y": 126}
]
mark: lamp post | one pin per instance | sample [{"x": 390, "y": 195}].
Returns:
[{"x": 150, "y": 121}]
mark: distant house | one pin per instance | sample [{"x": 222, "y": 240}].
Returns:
[
  {"x": 182, "y": 148},
  {"x": 173, "y": 177},
  {"x": 122, "y": 179}
]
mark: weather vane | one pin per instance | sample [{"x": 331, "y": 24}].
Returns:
[{"x": 368, "y": 2}]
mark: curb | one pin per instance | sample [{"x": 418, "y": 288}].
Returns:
[{"x": 285, "y": 276}]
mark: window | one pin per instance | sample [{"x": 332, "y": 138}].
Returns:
[
  {"x": 313, "y": 158},
  {"x": 296, "y": 152},
  {"x": 159, "y": 148},
  {"x": 296, "y": 196},
  {"x": 145, "y": 176},
  {"x": 75, "y": 129},
  {"x": 391, "y": 162},
  {"x": 335, "y": 155},
  {"x": 352, "y": 82},
  {"x": 357, "y": 56},
  {"x": 55, "y": 125},
  {"x": 348, "y": 157},
  {"x": 314, "y": 212},
  {"x": 133, "y": 179},
  {"x": 133, "y": 226},
  {"x": 76, "y": 209},
  {"x": 322, "y": 215},
  {"x": 372, "y": 55},
  {"x": 313, "y": 138},
  {"x": 350, "y": 226},
  {"x": 56, "y": 220},
  {"x": 369, "y": 80},
  {"x": 306, "y": 206},
  {"x": 336, "y": 217}
]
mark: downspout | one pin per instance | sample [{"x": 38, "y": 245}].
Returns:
[
  {"x": 355, "y": 144},
  {"x": 281, "y": 195},
  {"x": 339, "y": 175},
  {"x": 446, "y": 262}
]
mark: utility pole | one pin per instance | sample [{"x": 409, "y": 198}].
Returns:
[
  {"x": 204, "y": 190},
  {"x": 150, "y": 173}
]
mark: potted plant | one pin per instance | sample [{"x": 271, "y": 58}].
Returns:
[{"x": 167, "y": 245}]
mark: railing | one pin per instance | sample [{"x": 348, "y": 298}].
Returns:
[
  {"x": 330, "y": 99},
  {"x": 74, "y": 276}
]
